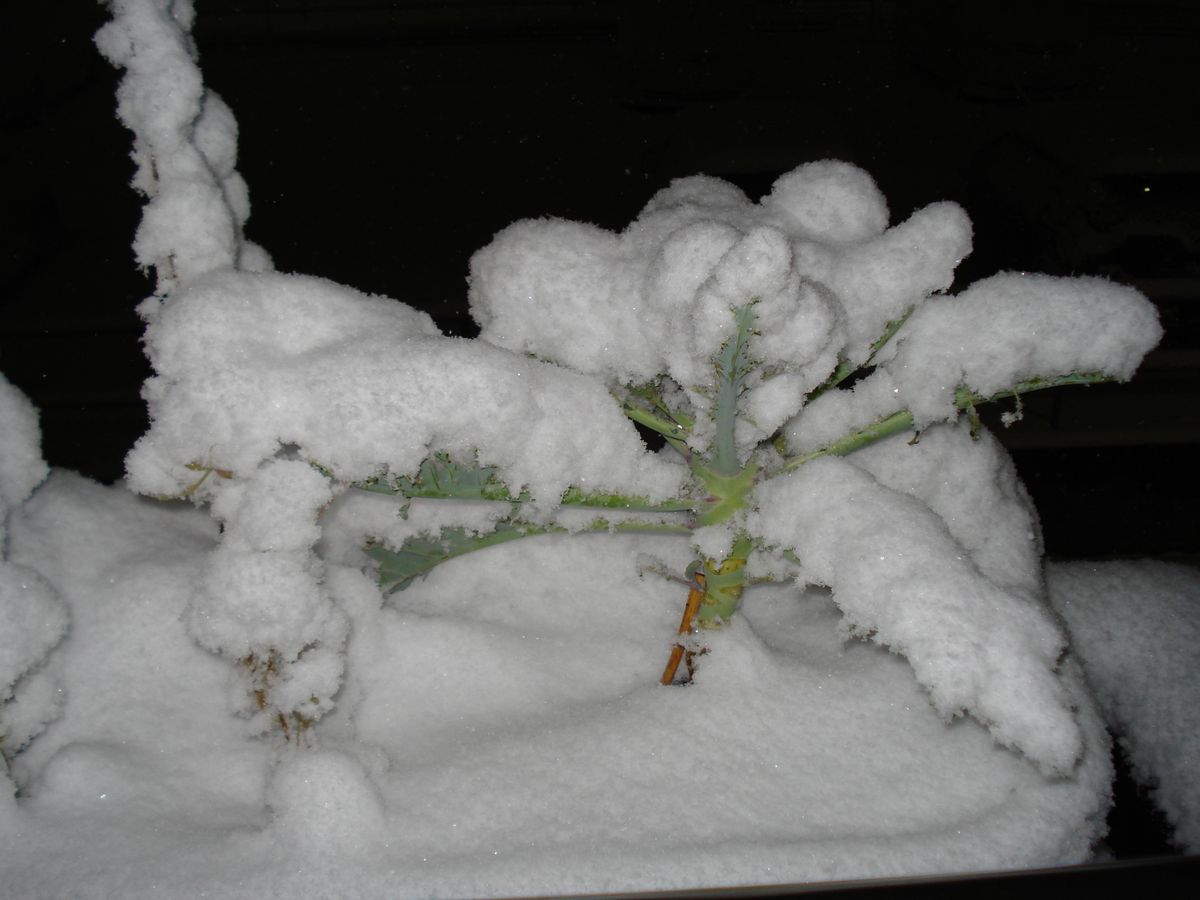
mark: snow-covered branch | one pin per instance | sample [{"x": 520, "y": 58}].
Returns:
[{"x": 185, "y": 146}]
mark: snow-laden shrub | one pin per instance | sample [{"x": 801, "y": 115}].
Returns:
[{"x": 766, "y": 343}]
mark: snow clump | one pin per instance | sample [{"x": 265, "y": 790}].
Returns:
[
  {"x": 1135, "y": 625},
  {"x": 33, "y": 618}
]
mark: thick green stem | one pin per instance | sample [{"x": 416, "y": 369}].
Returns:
[
  {"x": 723, "y": 585},
  {"x": 675, "y": 433},
  {"x": 727, "y": 493},
  {"x": 732, "y": 365},
  {"x": 441, "y": 478},
  {"x": 576, "y": 497},
  {"x": 660, "y": 417}
]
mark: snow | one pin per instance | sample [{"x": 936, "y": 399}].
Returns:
[
  {"x": 901, "y": 578},
  {"x": 185, "y": 145},
  {"x": 32, "y": 617},
  {"x": 205, "y": 689},
  {"x": 496, "y": 736},
  {"x": 1015, "y": 326},
  {"x": 971, "y": 484},
  {"x": 656, "y": 298},
  {"x": 1136, "y": 626},
  {"x": 21, "y": 465},
  {"x": 1001, "y": 331},
  {"x": 831, "y": 202},
  {"x": 249, "y": 363}
]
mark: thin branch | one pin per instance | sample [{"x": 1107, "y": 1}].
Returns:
[{"x": 686, "y": 625}]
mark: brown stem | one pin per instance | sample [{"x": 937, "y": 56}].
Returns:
[{"x": 679, "y": 652}]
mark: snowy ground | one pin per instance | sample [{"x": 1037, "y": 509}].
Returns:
[{"x": 496, "y": 738}]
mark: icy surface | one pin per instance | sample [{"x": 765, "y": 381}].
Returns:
[{"x": 1136, "y": 627}]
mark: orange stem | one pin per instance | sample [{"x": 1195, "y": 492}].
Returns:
[{"x": 678, "y": 652}]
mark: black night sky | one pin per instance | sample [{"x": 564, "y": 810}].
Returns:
[{"x": 384, "y": 142}]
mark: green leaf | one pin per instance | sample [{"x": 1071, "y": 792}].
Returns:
[
  {"x": 420, "y": 554},
  {"x": 964, "y": 398},
  {"x": 732, "y": 365},
  {"x": 644, "y": 404},
  {"x": 440, "y": 477}
]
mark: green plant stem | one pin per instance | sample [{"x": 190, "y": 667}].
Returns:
[
  {"x": 575, "y": 497},
  {"x": 732, "y": 365},
  {"x": 723, "y": 585},
  {"x": 845, "y": 369},
  {"x": 674, "y": 433},
  {"x": 440, "y": 478},
  {"x": 418, "y": 556},
  {"x": 964, "y": 399}
]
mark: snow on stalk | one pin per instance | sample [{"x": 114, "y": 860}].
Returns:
[
  {"x": 730, "y": 328},
  {"x": 185, "y": 146}
]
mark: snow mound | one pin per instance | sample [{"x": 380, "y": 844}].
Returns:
[
  {"x": 32, "y": 617},
  {"x": 496, "y": 737},
  {"x": 1135, "y": 625}
]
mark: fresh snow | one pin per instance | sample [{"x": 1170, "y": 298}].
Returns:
[
  {"x": 494, "y": 736},
  {"x": 1135, "y": 625},
  {"x": 204, "y": 689}
]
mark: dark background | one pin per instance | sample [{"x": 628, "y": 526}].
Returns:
[{"x": 384, "y": 142}]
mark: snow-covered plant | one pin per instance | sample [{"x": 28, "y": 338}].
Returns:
[
  {"x": 32, "y": 617},
  {"x": 813, "y": 388}
]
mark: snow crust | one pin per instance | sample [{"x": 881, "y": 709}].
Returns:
[{"x": 1135, "y": 624}]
